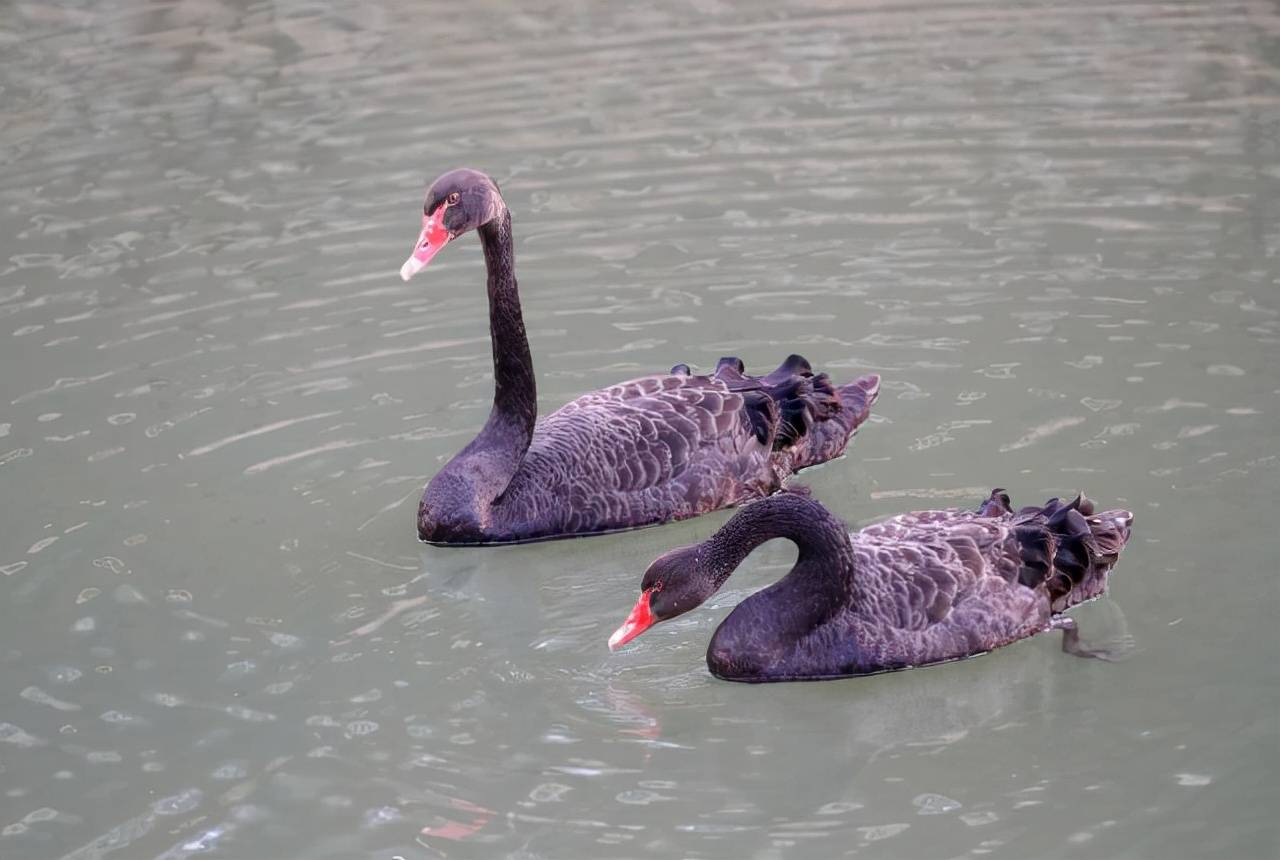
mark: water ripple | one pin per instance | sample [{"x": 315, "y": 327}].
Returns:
[{"x": 1050, "y": 227}]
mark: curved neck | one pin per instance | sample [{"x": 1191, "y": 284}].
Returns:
[
  {"x": 821, "y": 538},
  {"x": 494, "y": 456},
  {"x": 761, "y": 639}
]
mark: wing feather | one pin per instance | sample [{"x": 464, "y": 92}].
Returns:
[{"x": 651, "y": 430}]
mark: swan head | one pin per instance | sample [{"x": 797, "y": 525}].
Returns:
[
  {"x": 676, "y": 581},
  {"x": 457, "y": 201}
]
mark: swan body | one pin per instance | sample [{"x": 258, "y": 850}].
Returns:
[
  {"x": 916, "y": 589},
  {"x": 647, "y": 451}
]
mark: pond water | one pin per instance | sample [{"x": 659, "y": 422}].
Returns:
[{"x": 1053, "y": 229}]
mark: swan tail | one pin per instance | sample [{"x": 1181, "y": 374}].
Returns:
[
  {"x": 796, "y": 410},
  {"x": 1066, "y": 547},
  {"x": 841, "y": 410}
]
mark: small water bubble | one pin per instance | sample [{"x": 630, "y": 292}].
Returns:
[
  {"x": 15, "y": 567},
  {"x": 322, "y": 721},
  {"x": 977, "y": 819},
  {"x": 284, "y": 640},
  {"x": 42, "y": 544},
  {"x": 135, "y": 540},
  {"x": 549, "y": 792},
  {"x": 360, "y": 728},
  {"x": 121, "y": 418},
  {"x": 640, "y": 797},
  {"x": 934, "y": 804},
  {"x": 64, "y": 674},
  {"x": 111, "y": 563},
  {"x": 167, "y": 700},
  {"x": 238, "y": 669},
  {"x": 368, "y": 696},
  {"x": 152, "y": 767},
  {"x": 381, "y": 815},
  {"x": 177, "y": 804},
  {"x": 88, "y": 594},
  {"x": 122, "y": 718},
  {"x": 44, "y": 813},
  {"x": 228, "y": 771},
  {"x": 839, "y": 807},
  {"x": 352, "y": 613},
  {"x": 204, "y": 841},
  {"x": 48, "y": 416},
  {"x": 177, "y": 595},
  {"x": 104, "y": 757},
  {"x": 1194, "y": 780},
  {"x": 84, "y": 625},
  {"x": 240, "y": 712},
  {"x": 881, "y": 831},
  {"x": 15, "y": 829},
  {"x": 278, "y": 688}
]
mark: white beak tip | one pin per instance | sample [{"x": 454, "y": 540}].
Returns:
[{"x": 410, "y": 268}]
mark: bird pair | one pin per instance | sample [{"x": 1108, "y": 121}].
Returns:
[{"x": 921, "y": 588}]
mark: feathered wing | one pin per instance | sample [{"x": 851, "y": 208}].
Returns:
[
  {"x": 937, "y": 585},
  {"x": 672, "y": 446}
]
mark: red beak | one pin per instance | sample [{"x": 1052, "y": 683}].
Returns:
[
  {"x": 640, "y": 620},
  {"x": 433, "y": 237}
]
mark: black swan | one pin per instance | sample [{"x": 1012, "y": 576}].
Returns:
[
  {"x": 647, "y": 451},
  {"x": 919, "y": 588}
]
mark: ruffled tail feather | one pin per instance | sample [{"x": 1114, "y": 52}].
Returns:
[
  {"x": 795, "y": 409},
  {"x": 1065, "y": 547}
]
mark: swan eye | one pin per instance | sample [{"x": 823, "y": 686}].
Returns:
[{"x": 452, "y": 199}]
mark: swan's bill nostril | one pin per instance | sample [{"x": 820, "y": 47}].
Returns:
[{"x": 433, "y": 237}]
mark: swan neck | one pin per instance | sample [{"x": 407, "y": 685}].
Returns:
[
  {"x": 515, "y": 396},
  {"x": 820, "y": 537}
]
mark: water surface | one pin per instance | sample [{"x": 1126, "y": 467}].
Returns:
[{"x": 1052, "y": 228}]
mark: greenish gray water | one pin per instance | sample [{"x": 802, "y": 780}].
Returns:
[{"x": 1052, "y": 228}]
